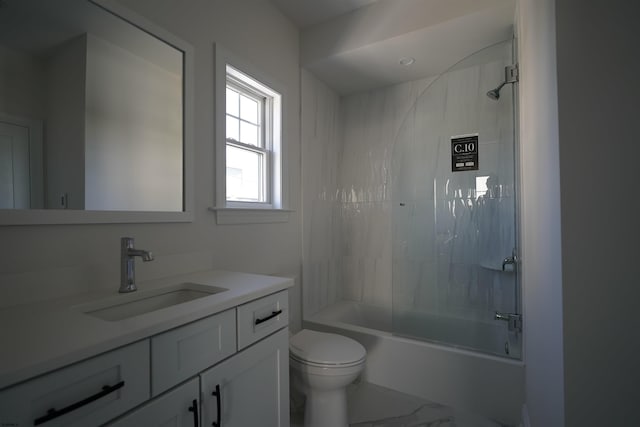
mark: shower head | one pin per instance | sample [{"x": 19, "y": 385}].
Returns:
[
  {"x": 510, "y": 76},
  {"x": 495, "y": 93}
]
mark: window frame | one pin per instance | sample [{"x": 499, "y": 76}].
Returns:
[
  {"x": 265, "y": 140},
  {"x": 230, "y": 71}
]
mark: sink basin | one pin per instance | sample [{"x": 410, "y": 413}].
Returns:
[{"x": 141, "y": 302}]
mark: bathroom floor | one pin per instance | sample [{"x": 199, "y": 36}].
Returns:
[{"x": 374, "y": 406}]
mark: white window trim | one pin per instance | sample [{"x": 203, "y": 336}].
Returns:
[{"x": 233, "y": 212}]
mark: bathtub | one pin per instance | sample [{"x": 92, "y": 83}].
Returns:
[{"x": 489, "y": 385}]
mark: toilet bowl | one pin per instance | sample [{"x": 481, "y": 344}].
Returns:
[{"x": 322, "y": 366}]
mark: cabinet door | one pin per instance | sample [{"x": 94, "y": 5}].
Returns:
[
  {"x": 178, "y": 407},
  {"x": 181, "y": 353},
  {"x": 253, "y": 386}
]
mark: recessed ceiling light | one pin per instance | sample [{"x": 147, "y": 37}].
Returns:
[{"x": 407, "y": 60}]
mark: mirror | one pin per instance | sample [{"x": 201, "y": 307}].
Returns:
[{"x": 93, "y": 114}]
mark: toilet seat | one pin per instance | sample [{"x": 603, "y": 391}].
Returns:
[
  {"x": 322, "y": 349},
  {"x": 325, "y": 365}
]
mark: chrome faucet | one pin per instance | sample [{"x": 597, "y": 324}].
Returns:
[{"x": 127, "y": 264}]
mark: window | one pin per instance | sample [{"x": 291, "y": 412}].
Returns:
[
  {"x": 249, "y": 146},
  {"x": 252, "y": 112},
  {"x": 249, "y": 141}
]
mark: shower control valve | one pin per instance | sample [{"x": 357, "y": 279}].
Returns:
[
  {"x": 514, "y": 320},
  {"x": 510, "y": 260}
]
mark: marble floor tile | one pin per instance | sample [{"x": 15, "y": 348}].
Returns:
[{"x": 374, "y": 406}]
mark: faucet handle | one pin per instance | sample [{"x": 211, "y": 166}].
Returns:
[
  {"x": 126, "y": 242},
  {"x": 512, "y": 260}
]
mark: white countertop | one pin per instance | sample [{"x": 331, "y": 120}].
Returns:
[{"x": 38, "y": 338}]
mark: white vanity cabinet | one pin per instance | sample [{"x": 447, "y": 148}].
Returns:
[
  {"x": 230, "y": 368},
  {"x": 251, "y": 388},
  {"x": 179, "y": 407}
]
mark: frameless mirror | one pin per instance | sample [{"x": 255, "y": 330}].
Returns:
[{"x": 92, "y": 114}]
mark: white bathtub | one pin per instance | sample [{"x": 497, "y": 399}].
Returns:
[{"x": 488, "y": 385}]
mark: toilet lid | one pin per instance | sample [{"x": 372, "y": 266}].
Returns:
[{"x": 325, "y": 349}]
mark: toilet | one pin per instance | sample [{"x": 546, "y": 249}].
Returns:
[{"x": 322, "y": 366}]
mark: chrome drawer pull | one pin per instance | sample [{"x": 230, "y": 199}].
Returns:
[
  {"x": 55, "y": 413},
  {"x": 269, "y": 317}
]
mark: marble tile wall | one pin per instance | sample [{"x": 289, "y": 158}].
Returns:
[
  {"x": 321, "y": 154},
  {"x": 371, "y": 122},
  {"x": 382, "y": 205},
  {"x": 346, "y": 192}
]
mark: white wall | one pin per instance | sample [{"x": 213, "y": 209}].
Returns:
[
  {"x": 22, "y": 84},
  {"x": 598, "y": 93},
  {"x": 580, "y": 282},
  {"x": 64, "y": 140},
  {"x": 39, "y": 262},
  {"x": 540, "y": 214},
  {"x": 133, "y": 131}
]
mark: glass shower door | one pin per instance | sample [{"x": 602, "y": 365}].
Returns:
[{"x": 454, "y": 217}]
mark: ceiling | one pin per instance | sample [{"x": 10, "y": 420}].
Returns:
[
  {"x": 305, "y": 13},
  {"x": 357, "y": 45}
]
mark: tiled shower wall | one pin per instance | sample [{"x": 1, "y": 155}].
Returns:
[
  {"x": 346, "y": 153},
  {"x": 321, "y": 154},
  {"x": 354, "y": 231},
  {"x": 371, "y": 122}
]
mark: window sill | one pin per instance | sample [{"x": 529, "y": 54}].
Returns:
[{"x": 231, "y": 216}]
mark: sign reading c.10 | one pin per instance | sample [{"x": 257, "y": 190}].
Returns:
[
  {"x": 464, "y": 147},
  {"x": 464, "y": 153}
]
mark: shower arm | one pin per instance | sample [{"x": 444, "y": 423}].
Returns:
[{"x": 511, "y": 75}]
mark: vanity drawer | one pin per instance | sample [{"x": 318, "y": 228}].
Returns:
[
  {"x": 87, "y": 393},
  {"x": 261, "y": 317},
  {"x": 183, "y": 352}
]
